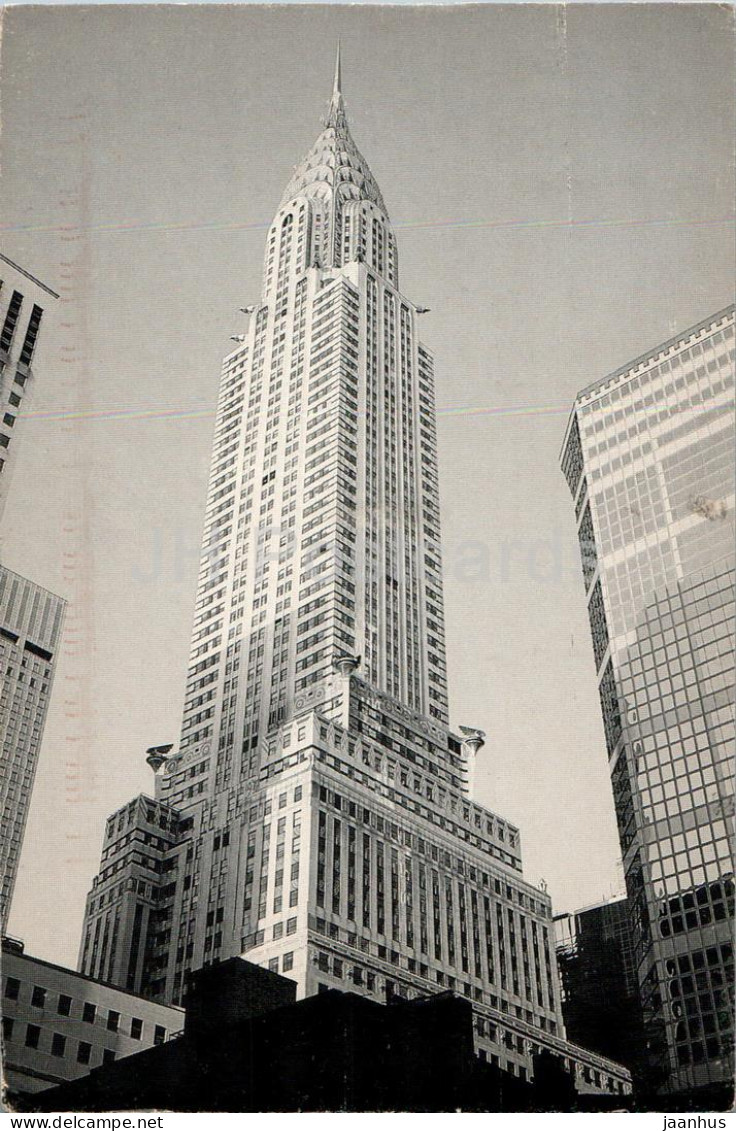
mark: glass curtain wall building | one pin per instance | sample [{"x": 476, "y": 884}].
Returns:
[
  {"x": 649, "y": 460},
  {"x": 317, "y": 816},
  {"x": 600, "y": 990}
]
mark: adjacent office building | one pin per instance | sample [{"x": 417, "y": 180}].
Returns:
[
  {"x": 30, "y": 617},
  {"x": 318, "y": 814},
  {"x": 600, "y": 991},
  {"x": 58, "y": 1025},
  {"x": 649, "y": 459},
  {"x": 30, "y": 631}
]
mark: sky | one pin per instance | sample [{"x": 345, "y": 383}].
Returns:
[{"x": 561, "y": 183}]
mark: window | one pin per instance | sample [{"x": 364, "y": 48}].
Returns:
[
  {"x": 159, "y": 1035},
  {"x": 108, "y": 1055},
  {"x": 38, "y": 997},
  {"x": 65, "y": 1005},
  {"x": 89, "y": 1012},
  {"x": 8, "y": 1028},
  {"x": 113, "y": 1020},
  {"x": 136, "y": 1028},
  {"x": 31, "y": 334},
  {"x": 84, "y": 1052},
  {"x": 58, "y": 1044},
  {"x": 288, "y": 963},
  {"x": 11, "y": 319},
  {"x": 12, "y": 989},
  {"x": 33, "y": 1033},
  {"x": 273, "y": 964}
]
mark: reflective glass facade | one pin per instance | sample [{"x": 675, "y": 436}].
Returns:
[
  {"x": 600, "y": 989},
  {"x": 649, "y": 459}
]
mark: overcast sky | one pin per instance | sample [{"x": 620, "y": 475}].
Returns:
[{"x": 561, "y": 181}]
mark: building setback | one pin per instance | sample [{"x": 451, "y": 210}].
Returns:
[
  {"x": 648, "y": 457},
  {"x": 59, "y": 1025},
  {"x": 318, "y": 814}
]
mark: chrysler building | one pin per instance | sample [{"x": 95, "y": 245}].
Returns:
[{"x": 317, "y": 816}]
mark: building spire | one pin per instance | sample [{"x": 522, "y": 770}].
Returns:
[
  {"x": 337, "y": 84},
  {"x": 334, "y": 161},
  {"x": 337, "y": 106}
]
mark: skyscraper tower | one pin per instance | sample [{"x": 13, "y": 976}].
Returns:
[
  {"x": 322, "y": 527},
  {"x": 31, "y": 618},
  {"x": 31, "y": 621},
  {"x": 648, "y": 457},
  {"x": 317, "y": 816}
]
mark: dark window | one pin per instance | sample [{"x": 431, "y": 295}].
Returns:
[
  {"x": 38, "y": 997},
  {"x": 12, "y": 988},
  {"x": 7, "y": 1028},
  {"x": 89, "y": 1011},
  {"x": 113, "y": 1020},
  {"x": 58, "y": 1044},
  {"x": 31, "y": 334},
  {"x": 11, "y": 319},
  {"x": 65, "y": 1005},
  {"x": 33, "y": 1033},
  {"x": 136, "y": 1028},
  {"x": 84, "y": 1052},
  {"x": 108, "y": 1055},
  {"x": 159, "y": 1035}
]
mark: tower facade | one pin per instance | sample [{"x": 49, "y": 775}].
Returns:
[
  {"x": 30, "y": 629},
  {"x": 322, "y": 524},
  {"x": 22, "y": 302},
  {"x": 317, "y": 815},
  {"x": 649, "y": 457},
  {"x": 30, "y": 617}
]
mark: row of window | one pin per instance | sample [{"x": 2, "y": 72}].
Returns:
[
  {"x": 33, "y": 1038},
  {"x": 56, "y": 1047},
  {"x": 64, "y": 1003}
]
